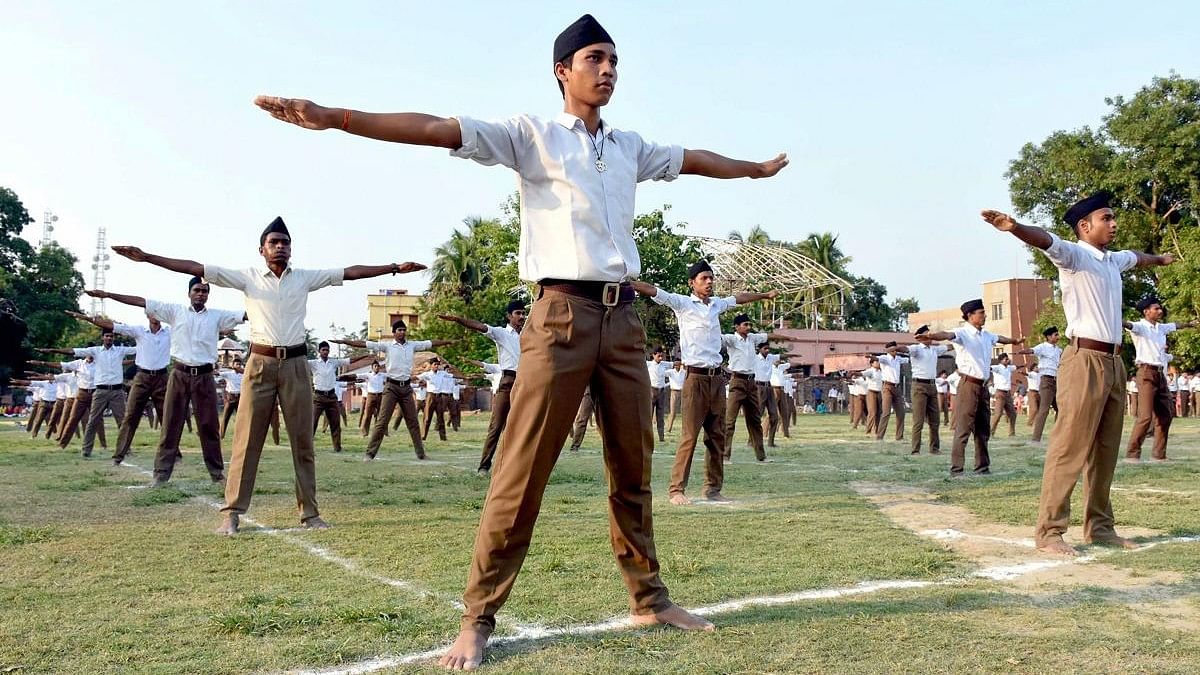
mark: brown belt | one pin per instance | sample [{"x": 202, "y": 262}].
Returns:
[
  {"x": 607, "y": 293},
  {"x": 742, "y": 376},
  {"x": 1157, "y": 369},
  {"x": 968, "y": 378},
  {"x": 1096, "y": 345},
  {"x": 707, "y": 372},
  {"x": 281, "y": 353},
  {"x": 508, "y": 373}
]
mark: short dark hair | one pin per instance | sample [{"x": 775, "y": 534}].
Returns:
[
  {"x": 566, "y": 63},
  {"x": 398, "y": 324},
  {"x": 323, "y": 345}
]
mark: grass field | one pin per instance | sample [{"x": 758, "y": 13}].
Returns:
[{"x": 99, "y": 574}]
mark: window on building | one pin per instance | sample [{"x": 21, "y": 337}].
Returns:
[
  {"x": 997, "y": 311},
  {"x": 997, "y": 351}
]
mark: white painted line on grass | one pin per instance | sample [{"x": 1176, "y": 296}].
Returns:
[
  {"x": 1154, "y": 491},
  {"x": 952, "y": 534}
]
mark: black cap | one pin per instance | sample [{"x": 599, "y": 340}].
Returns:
[
  {"x": 698, "y": 267},
  {"x": 1145, "y": 303},
  {"x": 922, "y": 330},
  {"x": 514, "y": 306},
  {"x": 1080, "y": 209},
  {"x": 971, "y": 306},
  {"x": 398, "y": 323},
  {"x": 193, "y": 281},
  {"x": 740, "y": 319},
  {"x": 890, "y": 344},
  {"x": 276, "y": 225},
  {"x": 1050, "y": 331},
  {"x": 585, "y": 31}
]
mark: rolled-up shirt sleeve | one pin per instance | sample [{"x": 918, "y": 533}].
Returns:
[
  {"x": 657, "y": 162},
  {"x": 225, "y": 277},
  {"x": 490, "y": 143}
]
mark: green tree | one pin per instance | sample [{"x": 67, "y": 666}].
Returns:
[
  {"x": 14, "y": 250},
  {"x": 822, "y": 248},
  {"x": 666, "y": 254},
  {"x": 867, "y": 307},
  {"x": 901, "y": 308}
]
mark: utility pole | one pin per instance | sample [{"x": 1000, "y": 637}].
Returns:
[
  {"x": 99, "y": 268},
  {"x": 48, "y": 220}
]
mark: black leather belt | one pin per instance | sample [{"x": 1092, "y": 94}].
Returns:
[
  {"x": 922, "y": 381},
  {"x": 508, "y": 373},
  {"x": 1048, "y": 377},
  {"x": 281, "y": 353},
  {"x": 194, "y": 370},
  {"x": 607, "y": 293},
  {"x": 324, "y": 392},
  {"x": 395, "y": 381},
  {"x": 160, "y": 371},
  {"x": 707, "y": 372},
  {"x": 108, "y": 387}
]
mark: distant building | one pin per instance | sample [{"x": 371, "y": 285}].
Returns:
[
  {"x": 1012, "y": 306},
  {"x": 824, "y": 351},
  {"x": 385, "y": 307}
]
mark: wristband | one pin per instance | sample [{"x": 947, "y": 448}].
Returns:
[{"x": 346, "y": 121}]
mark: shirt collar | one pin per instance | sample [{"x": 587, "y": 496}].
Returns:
[
  {"x": 569, "y": 121},
  {"x": 1093, "y": 251},
  {"x": 266, "y": 271}
]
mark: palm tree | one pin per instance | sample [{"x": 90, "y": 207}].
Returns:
[
  {"x": 822, "y": 249},
  {"x": 455, "y": 266}
]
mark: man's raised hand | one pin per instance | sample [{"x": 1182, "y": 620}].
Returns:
[
  {"x": 132, "y": 252},
  {"x": 298, "y": 111},
  {"x": 406, "y": 267},
  {"x": 771, "y": 167},
  {"x": 1000, "y": 221},
  {"x": 95, "y": 294}
]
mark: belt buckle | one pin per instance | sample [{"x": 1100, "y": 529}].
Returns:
[
  {"x": 193, "y": 371},
  {"x": 281, "y": 353},
  {"x": 611, "y": 294}
]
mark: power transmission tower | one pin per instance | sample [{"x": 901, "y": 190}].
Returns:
[
  {"x": 99, "y": 268},
  {"x": 48, "y": 220}
]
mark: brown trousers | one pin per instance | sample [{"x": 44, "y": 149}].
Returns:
[
  {"x": 972, "y": 417},
  {"x": 892, "y": 401},
  {"x": 454, "y": 406},
  {"x": 872, "y": 400},
  {"x": 1086, "y": 439},
  {"x": 396, "y": 395},
  {"x": 37, "y": 416},
  {"x": 51, "y": 418},
  {"x": 857, "y": 412},
  {"x": 743, "y": 396},
  {"x": 660, "y": 398},
  {"x": 326, "y": 403},
  {"x": 501, "y": 405},
  {"x": 367, "y": 414},
  {"x": 944, "y": 406},
  {"x": 676, "y": 407},
  {"x": 1047, "y": 398},
  {"x": 925, "y": 410},
  {"x": 437, "y": 404},
  {"x": 34, "y": 413},
  {"x": 1154, "y": 405},
  {"x": 785, "y": 412},
  {"x": 584, "y": 415},
  {"x": 83, "y": 403},
  {"x": 266, "y": 383},
  {"x": 102, "y": 399},
  {"x": 703, "y": 404},
  {"x": 1185, "y": 400},
  {"x": 145, "y": 389},
  {"x": 199, "y": 392},
  {"x": 1032, "y": 405},
  {"x": 567, "y": 343},
  {"x": 1005, "y": 408},
  {"x": 231, "y": 406},
  {"x": 768, "y": 405}
]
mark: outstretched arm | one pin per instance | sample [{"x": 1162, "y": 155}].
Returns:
[
  {"x": 361, "y": 344},
  {"x": 712, "y": 165},
  {"x": 472, "y": 324},
  {"x": 56, "y": 350},
  {"x": 441, "y": 343},
  {"x": 411, "y": 128},
  {"x": 1009, "y": 341},
  {"x": 1149, "y": 260},
  {"x": 97, "y": 321},
  {"x": 743, "y": 298},
  {"x": 1034, "y": 236},
  {"x": 648, "y": 290},
  {"x": 135, "y": 300},
  {"x": 367, "y": 271},
  {"x": 941, "y": 335},
  {"x": 174, "y": 264}
]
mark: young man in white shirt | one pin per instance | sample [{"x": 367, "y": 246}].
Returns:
[
  {"x": 700, "y": 340},
  {"x": 109, "y": 376},
  {"x": 325, "y": 400},
  {"x": 973, "y": 356},
  {"x": 768, "y": 403},
  {"x": 373, "y": 384},
  {"x": 857, "y": 393},
  {"x": 1002, "y": 376},
  {"x": 891, "y": 396},
  {"x": 1182, "y": 384},
  {"x": 1091, "y": 376},
  {"x": 277, "y": 372},
  {"x": 873, "y": 401},
  {"x": 675, "y": 379},
  {"x": 1033, "y": 380},
  {"x": 195, "y": 331},
  {"x": 742, "y": 346},
  {"x": 439, "y": 384},
  {"x": 578, "y": 177},
  {"x": 233, "y": 391},
  {"x": 1154, "y": 403},
  {"x": 84, "y": 370},
  {"x": 943, "y": 390},
  {"x": 149, "y": 385},
  {"x": 660, "y": 389},
  {"x": 924, "y": 357},
  {"x": 1048, "y": 356},
  {"x": 508, "y": 357}
]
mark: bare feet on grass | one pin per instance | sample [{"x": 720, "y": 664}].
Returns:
[
  {"x": 680, "y": 500},
  {"x": 1057, "y": 547},
  {"x": 466, "y": 653},
  {"x": 676, "y": 616}
]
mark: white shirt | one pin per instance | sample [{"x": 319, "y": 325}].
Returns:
[
  {"x": 924, "y": 360},
  {"x": 49, "y": 391},
  {"x": 35, "y": 389},
  {"x": 699, "y": 326},
  {"x": 375, "y": 382},
  {"x": 1171, "y": 384},
  {"x": 779, "y": 373},
  {"x": 65, "y": 386},
  {"x": 1150, "y": 341},
  {"x": 1195, "y": 384},
  {"x": 874, "y": 378},
  {"x": 834, "y": 392},
  {"x": 233, "y": 380},
  {"x": 438, "y": 382},
  {"x": 85, "y": 372},
  {"x": 1131, "y": 386},
  {"x": 1002, "y": 376},
  {"x": 743, "y": 351},
  {"x": 1047, "y": 356},
  {"x": 194, "y": 335},
  {"x": 973, "y": 351},
  {"x": 576, "y": 221},
  {"x": 763, "y": 365},
  {"x": 857, "y": 386},
  {"x": 339, "y": 389},
  {"x": 1034, "y": 380},
  {"x": 153, "y": 349},
  {"x": 658, "y": 372},
  {"x": 325, "y": 372},
  {"x": 508, "y": 346},
  {"x": 1091, "y": 287},
  {"x": 276, "y": 305},
  {"x": 494, "y": 374},
  {"x": 108, "y": 367},
  {"x": 419, "y": 392},
  {"x": 455, "y": 390},
  {"x": 890, "y": 367},
  {"x": 675, "y": 378},
  {"x": 400, "y": 356},
  {"x": 952, "y": 381}
]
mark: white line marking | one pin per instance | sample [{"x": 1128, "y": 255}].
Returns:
[
  {"x": 1154, "y": 491},
  {"x": 952, "y": 535}
]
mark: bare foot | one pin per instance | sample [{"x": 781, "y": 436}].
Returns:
[
  {"x": 1114, "y": 540},
  {"x": 1058, "y": 547},
  {"x": 229, "y": 526},
  {"x": 466, "y": 653},
  {"x": 680, "y": 500},
  {"x": 717, "y": 497},
  {"x": 315, "y": 523},
  {"x": 676, "y": 616}
]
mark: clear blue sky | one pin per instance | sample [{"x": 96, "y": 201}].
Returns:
[{"x": 899, "y": 118}]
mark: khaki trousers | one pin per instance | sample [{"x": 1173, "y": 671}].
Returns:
[
  {"x": 54, "y": 417},
  {"x": 892, "y": 401},
  {"x": 676, "y": 407},
  {"x": 326, "y": 403},
  {"x": 769, "y": 405},
  {"x": 1047, "y": 398},
  {"x": 743, "y": 396},
  {"x": 1032, "y": 406},
  {"x": 266, "y": 383},
  {"x": 872, "y": 406},
  {"x": 1005, "y": 408},
  {"x": 34, "y": 413},
  {"x": 925, "y": 410},
  {"x": 659, "y": 399},
  {"x": 1154, "y": 406},
  {"x": 38, "y": 416},
  {"x": 972, "y": 417},
  {"x": 785, "y": 412},
  {"x": 102, "y": 399},
  {"x": 703, "y": 405},
  {"x": 856, "y": 410},
  {"x": 231, "y": 406},
  {"x": 198, "y": 392},
  {"x": 144, "y": 389},
  {"x": 567, "y": 344},
  {"x": 944, "y": 407},
  {"x": 396, "y": 395},
  {"x": 579, "y": 427},
  {"x": 83, "y": 403},
  {"x": 369, "y": 410},
  {"x": 1087, "y": 439},
  {"x": 438, "y": 404},
  {"x": 501, "y": 406}
]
